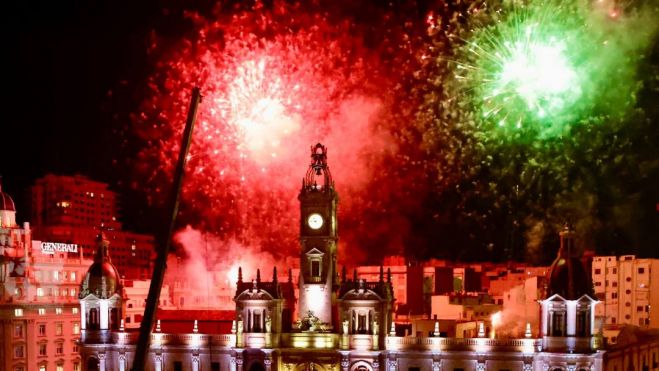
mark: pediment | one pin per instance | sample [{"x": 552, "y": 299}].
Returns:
[
  {"x": 315, "y": 252},
  {"x": 251, "y": 294}
]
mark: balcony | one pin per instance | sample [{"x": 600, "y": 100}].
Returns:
[{"x": 438, "y": 344}]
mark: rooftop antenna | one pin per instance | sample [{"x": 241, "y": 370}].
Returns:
[{"x": 144, "y": 339}]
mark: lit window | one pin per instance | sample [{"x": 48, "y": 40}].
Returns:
[
  {"x": 74, "y": 310},
  {"x": 59, "y": 328},
  {"x": 76, "y": 328},
  {"x": 73, "y": 276},
  {"x": 42, "y": 311},
  {"x": 58, "y": 310},
  {"x": 60, "y": 367},
  {"x": 18, "y": 292},
  {"x": 42, "y": 367},
  {"x": 56, "y": 292},
  {"x": 19, "y": 368},
  {"x": 18, "y": 312},
  {"x": 75, "y": 347},
  {"x": 19, "y": 351},
  {"x": 42, "y": 329},
  {"x": 18, "y": 331},
  {"x": 55, "y": 275},
  {"x": 76, "y": 366},
  {"x": 39, "y": 291}
]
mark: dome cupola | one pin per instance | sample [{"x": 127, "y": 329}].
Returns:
[
  {"x": 567, "y": 276},
  {"x": 102, "y": 278}
]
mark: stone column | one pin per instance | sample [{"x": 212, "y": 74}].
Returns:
[
  {"x": 239, "y": 362},
  {"x": 157, "y": 359},
  {"x": 345, "y": 361},
  {"x": 393, "y": 364},
  {"x": 101, "y": 362},
  {"x": 195, "y": 362},
  {"x": 122, "y": 362}
]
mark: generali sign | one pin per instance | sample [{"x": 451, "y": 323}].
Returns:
[{"x": 52, "y": 247}]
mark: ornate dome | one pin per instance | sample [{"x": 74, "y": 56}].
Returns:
[
  {"x": 102, "y": 278},
  {"x": 567, "y": 275},
  {"x": 6, "y": 203}
]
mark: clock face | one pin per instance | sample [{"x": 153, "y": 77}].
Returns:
[{"x": 315, "y": 221}]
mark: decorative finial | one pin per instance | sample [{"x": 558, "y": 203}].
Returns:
[
  {"x": 121, "y": 325},
  {"x": 343, "y": 274},
  {"x": 527, "y": 333},
  {"x": 195, "y": 328},
  {"x": 392, "y": 331},
  {"x": 240, "y": 275},
  {"x": 435, "y": 332},
  {"x": 258, "y": 276},
  {"x": 158, "y": 326},
  {"x": 389, "y": 275},
  {"x": 274, "y": 274},
  {"x": 381, "y": 273}
]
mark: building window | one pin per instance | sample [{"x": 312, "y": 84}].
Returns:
[
  {"x": 74, "y": 310},
  {"x": 641, "y": 270},
  {"x": 19, "y": 368},
  {"x": 639, "y": 308},
  {"x": 18, "y": 331},
  {"x": 73, "y": 292},
  {"x": 42, "y": 311},
  {"x": 59, "y": 348},
  {"x": 76, "y": 328},
  {"x": 55, "y": 276},
  {"x": 614, "y": 284},
  {"x": 18, "y": 312},
  {"x": 557, "y": 323},
  {"x": 75, "y": 347},
  {"x": 42, "y": 329},
  {"x": 59, "y": 328},
  {"x": 42, "y": 367},
  {"x": 598, "y": 271},
  {"x": 615, "y": 270},
  {"x": 18, "y": 292},
  {"x": 628, "y": 279},
  {"x": 39, "y": 291},
  {"x": 60, "y": 367},
  {"x": 19, "y": 351},
  {"x": 58, "y": 310},
  {"x": 315, "y": 268},
  {"x": 178, "y": 366},
  {"x": 613, "y": 320},
  {"x": 583, "y": 323},
  {"x": 73, "y": 276},
  {"x": 43, "y": 349},
  {"x": 215, "y": 366},
  {"x": 76, "y": 366}
]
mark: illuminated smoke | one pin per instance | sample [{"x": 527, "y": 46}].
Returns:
[{"x": 275, "y": 80}]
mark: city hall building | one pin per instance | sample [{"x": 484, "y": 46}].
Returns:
[{"x": 344, "y": 324}]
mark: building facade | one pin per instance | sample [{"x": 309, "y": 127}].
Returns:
[
  {"x": 39, "y": 307},
  {"x": 345, "y": 322},
  {"x": 72, "y": 209}
]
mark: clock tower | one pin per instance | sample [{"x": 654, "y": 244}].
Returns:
[{"x": 318, "y": 239}]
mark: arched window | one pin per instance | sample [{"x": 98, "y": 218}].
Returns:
[{"x": 93, "y": 364}]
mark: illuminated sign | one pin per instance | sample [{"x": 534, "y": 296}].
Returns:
[{"x": 52, "y": 247}]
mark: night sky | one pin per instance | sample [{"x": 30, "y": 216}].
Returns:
[{"x": 77, "y": 72}]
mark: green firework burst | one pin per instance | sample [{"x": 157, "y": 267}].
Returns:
[{"x": 542, "y": 66}]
